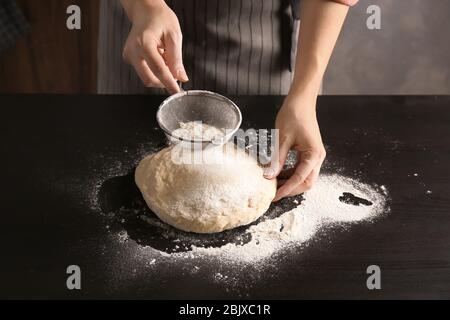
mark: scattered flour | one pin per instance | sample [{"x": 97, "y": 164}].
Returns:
[
  {"x": 321, "y": 207},
  {"x": 123, "y": 236},
  {"x": 271, "y": 238},
  {"x": 239, "y": 265}
]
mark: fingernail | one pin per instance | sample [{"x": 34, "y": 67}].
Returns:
[{"x": 182, "y": 75}]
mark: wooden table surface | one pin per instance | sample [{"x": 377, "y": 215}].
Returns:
[{"x": 57, "y": 150}]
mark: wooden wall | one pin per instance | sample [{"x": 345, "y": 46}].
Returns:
[{"x": 53, "y": 59}]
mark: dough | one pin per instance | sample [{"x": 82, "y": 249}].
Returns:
[{"x": 225, "y": 191}]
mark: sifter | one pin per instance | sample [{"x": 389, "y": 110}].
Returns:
[{"x": 198, "y": 105}]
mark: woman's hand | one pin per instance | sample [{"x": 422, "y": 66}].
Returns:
[
  {"x": 154, "y": 44},
  {"x": 321, "y": 23},
  {"x": 298, "y": 130}
]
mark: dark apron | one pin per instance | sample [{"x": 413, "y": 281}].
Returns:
[{"x": 230, "y": 46}]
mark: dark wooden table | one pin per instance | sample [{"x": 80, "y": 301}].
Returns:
[{"x": 56, "y": 151}]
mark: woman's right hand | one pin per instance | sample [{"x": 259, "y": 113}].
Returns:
[{"x": 154, "y": 44}]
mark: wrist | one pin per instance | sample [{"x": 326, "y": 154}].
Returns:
[
  {"x": 301, "y": 101},
  {"x": 306, "y": 86},
  {"x": 133, "y": 7}
]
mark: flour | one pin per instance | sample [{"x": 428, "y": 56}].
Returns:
[
  {"x": 123, "y": 236},
  {"x": 295, "y": 224},
  {"x": 249, "y": 256},
  {"x": 196, "y": 130},
  {"x": 117, "y": 166},
  {"x": 321, "y": 207}
]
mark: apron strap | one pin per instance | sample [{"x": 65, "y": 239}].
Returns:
[
  {"x": 295, "y": 4},
  {"x": 295, "y": 8}
]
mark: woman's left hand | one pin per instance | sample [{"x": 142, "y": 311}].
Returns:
[{"x": 299, "y": 131}]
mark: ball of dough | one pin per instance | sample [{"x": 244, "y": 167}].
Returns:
[{"x": 225, "y": 190}]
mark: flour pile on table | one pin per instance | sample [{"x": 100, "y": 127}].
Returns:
[
  {"x": 286, "y": 228},
  {"x": 334, "y": 200}
]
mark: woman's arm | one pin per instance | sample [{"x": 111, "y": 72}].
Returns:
[{"x": 321, "y": 22}]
